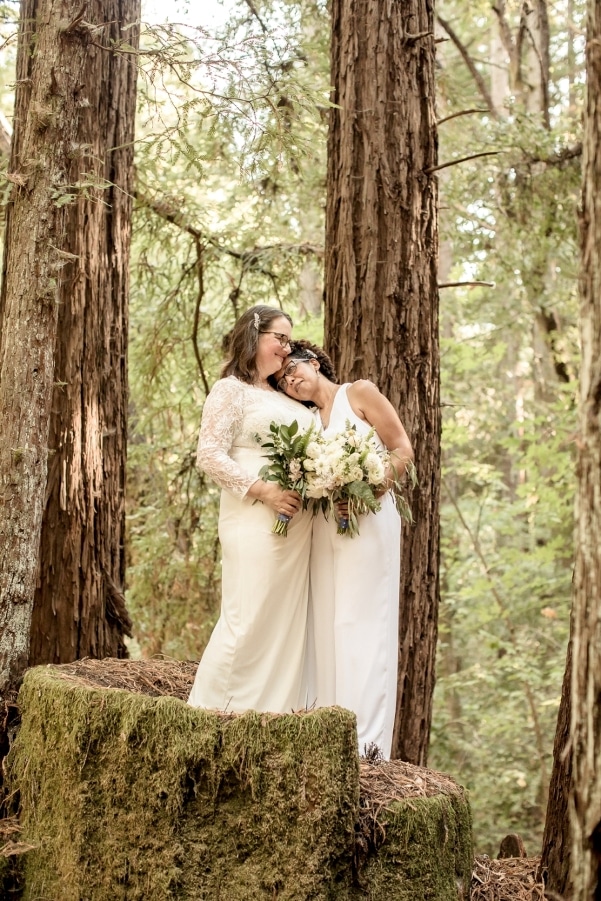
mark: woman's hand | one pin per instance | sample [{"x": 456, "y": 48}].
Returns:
[
  {"x": 395, "y": 471},
  {"x": 280, "y": 500}
]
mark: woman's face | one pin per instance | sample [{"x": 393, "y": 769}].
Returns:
[
  {"x": 273, "y": 346},
  {"x": 298, "y": 378}
]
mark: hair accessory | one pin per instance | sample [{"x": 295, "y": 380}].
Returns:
[
  {"x": 257, "y": 319},
  {"x": 303, "y": 354}
]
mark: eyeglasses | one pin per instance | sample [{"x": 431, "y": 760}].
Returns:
[
  {"x": 288, "y": 371},
  {"x": 283, "y": 339}
]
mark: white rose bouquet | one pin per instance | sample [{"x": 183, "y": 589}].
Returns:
[
  {"x": 350, "y": 468},
  {"x": 286, "y": 451}
]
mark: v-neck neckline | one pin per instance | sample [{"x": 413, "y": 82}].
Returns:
[{"x": 334, "y": 396}]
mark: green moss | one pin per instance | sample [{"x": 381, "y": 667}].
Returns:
[
  {"x": 127, "y": 796},
  {"x": 427, "y": 854}
]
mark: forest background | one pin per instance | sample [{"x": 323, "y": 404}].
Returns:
[{"x": 229, "y": 212}]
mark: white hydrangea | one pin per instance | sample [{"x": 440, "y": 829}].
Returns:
[
  {"x": 295, "y": 469},
  {"x": 375, "y": 467},
  {"x": 346, "y": 457}
]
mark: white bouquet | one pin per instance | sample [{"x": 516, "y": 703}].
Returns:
[{"x": 351, "y": 468}]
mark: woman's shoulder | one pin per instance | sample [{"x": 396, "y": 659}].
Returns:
[
  {"x": 362, "y": 388},
  {"x": 227, "y": 385},
  {"x": 364, "y": 398},
  {"x": 228, "y": 390}
]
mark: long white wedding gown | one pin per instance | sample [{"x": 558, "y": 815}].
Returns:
[
  {"x": 255, "y": 657},
  {"x": 354, "y": 608}
]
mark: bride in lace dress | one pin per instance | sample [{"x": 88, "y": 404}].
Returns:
[{"x": 255, "y": 657}]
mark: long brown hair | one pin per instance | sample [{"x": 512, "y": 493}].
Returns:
[{"x": 244, "y": 339}]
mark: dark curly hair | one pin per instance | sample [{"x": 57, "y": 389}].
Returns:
[{"x": 304, "y": 350}]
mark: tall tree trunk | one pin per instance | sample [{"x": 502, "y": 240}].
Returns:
[
  {"x": 47, "y": 273},
  {"x": 381, "y": 316},
  {"x": 534, "y": 81},
  {"x": 556, "y": 854},
  {"x": 79, "y": 610},
  {"x": 586, "y": 665},
  {"x": 35, "y": 266}
]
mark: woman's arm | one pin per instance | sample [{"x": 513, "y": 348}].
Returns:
[
  {"x": 369, "y": 404},
  {"x": 222, "y": 419}
]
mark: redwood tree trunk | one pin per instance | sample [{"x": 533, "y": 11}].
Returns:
[
  {"x": 58, "y": 255},
  {"x": 79, "y": 610},
  {"x": 35, "y": 268},
  {"x": 381, "y": 317},
  {"x": 586, "y": 652},
  {"x": 556, "y": 853}
]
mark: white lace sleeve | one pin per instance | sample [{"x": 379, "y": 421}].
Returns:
[{"x": 222, "y": 419}]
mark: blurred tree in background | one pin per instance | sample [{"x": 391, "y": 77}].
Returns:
[{"x": 509, "y": 385}]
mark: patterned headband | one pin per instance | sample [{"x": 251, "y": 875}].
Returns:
[{"x": 302, "y": 354}]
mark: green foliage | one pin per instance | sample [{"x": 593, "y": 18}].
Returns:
[
  {"x": 285, "y": 445},
  {"x": 506, "y": 580},
  {"x": 230, "y": 131},
  {"x": 510, "y": 364}
]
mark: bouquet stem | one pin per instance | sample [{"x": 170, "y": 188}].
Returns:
[
  {"x": 280, "y": 526},
  {"x": 343, "y": 525}
]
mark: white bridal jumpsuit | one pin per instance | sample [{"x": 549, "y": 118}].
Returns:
[
  {"x": 354, "y": 607},
  {"x": 255, "y": 657}
]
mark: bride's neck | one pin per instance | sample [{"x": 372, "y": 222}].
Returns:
[{"x": 325, "y": 395}]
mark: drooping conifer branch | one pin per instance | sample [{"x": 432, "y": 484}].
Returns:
[
  {"x": 463, "y": 112},
  {"x": 462, "y": 159},
  {"x": 480, "y": 83},
  {"x": 466, "y": 284}
]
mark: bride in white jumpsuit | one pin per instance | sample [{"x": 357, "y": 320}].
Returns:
[{"x": 354, "y": 597}]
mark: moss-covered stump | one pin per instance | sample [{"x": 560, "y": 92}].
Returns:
[
  {"x": 128, "y": 793},
  {"x": 415, "y": 835},
  {"x": 138, "y": 797}
]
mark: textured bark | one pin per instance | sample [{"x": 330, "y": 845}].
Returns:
[
  {"x": 556, "y": 853},
  {"x": 63, "y": 318},
  {"x": 79, "y": 608},
  {"x": 586, "y": 662},
  {"x": 381, "y": 317},
  {"x": 35, "y": 263}
]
